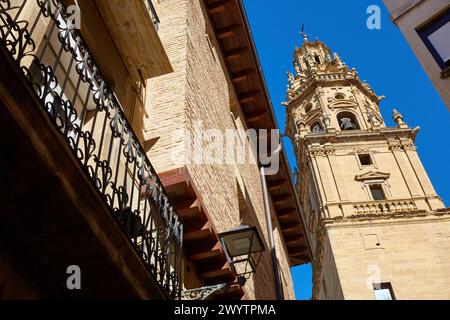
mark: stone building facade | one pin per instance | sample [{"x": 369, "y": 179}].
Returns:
[{"x": 377, "y": 226}]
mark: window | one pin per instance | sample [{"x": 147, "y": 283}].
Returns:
[
  {"x": 347, "y": 121},
  {"x": 308, "y": 107},
  {"x": 317, "y": 59},
  {"x": 435, "y": 36},
  {"x": 365, "y": 159},
  {"x": 383, "y": 291},
  {"x": 317, "y": 127},
  {"x": 377, "y": 192},
  {"x": 340, "y": 96}
]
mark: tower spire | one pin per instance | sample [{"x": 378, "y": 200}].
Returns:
[
  {"x": 303, "y": 34},
  {"x": 355, "y": 173}
]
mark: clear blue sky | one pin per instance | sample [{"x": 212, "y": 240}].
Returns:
[{"x": 382, "y": 58}]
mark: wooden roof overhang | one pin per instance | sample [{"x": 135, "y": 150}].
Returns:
[
  {"x": 236, "y": 43},
  {"x": 202, "y": 247}
]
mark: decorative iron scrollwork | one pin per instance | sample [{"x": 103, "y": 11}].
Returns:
[{"x": 95, "y": 126}]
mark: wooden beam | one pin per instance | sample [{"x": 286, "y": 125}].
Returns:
[
  {"x": 301, "y": 259},
  {"x": 276, "y": 184},
  {"x": 234, "y": 54},
  {"x": 174, "y": 177},
  {"x": 289, "y": 241},
  {"x": 297, "y": 251},
  {"x": 218, "y": 7},
  {"x": 227, "y": 31},
  {"x": 225, "y": 270},
  {"x": 188, "y": 208},
  {"x": 202, "y": 247},
  {"x": 196, "y": 234},
  {"x": 206, "y": 255},
  {"x": 285, "y": 214},
  {"x": 289, "y": 226},
  {"x": 280, "y": 199},
  {"x": 255, "y": 116},
  {"x": 241, "y": 76},
  {"x": 248, "y": 96}
]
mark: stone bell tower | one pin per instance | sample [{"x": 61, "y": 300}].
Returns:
[{"x": 378, "y": 228}]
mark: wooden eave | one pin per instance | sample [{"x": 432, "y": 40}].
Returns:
[
  {"x": 202, "y": 248},
  {"x": 234, "y": 37}
]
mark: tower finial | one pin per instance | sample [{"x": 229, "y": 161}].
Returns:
[
  {"x": 303, "y": 33},
  {"x": 398, "y": 118}
]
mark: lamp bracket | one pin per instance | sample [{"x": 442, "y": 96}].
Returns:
[{"x": 204, "y": 293}]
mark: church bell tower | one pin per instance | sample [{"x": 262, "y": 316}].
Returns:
[{"x": 377, "y": 227}]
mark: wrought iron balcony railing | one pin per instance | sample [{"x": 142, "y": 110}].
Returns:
[{"x": 72, "y": 91}]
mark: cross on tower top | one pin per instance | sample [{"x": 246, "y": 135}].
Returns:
[{"x": 303, "y": 34}]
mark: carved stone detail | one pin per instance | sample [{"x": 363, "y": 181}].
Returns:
[
  {"x": 317, "y": 151},
  {"x": 408, "y": 145},
  {"x": 330, "y": 150}
]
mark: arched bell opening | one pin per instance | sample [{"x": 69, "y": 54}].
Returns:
[
  {"x": 347, "y": 121},
  {"x": 317, "y": 127}
]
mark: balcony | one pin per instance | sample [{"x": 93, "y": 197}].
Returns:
[
  {"x": 50, "y": 83},
  {"x": 135, "y": 35},
  {"x": 384, "y": 207}
]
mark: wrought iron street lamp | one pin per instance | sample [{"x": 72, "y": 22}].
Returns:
[{"x": 243, "y": 248}]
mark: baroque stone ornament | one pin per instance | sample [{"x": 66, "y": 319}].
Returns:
[
  {"x": 408, "y": 145},
  {"x": 398, "y": 118},
  {"x": 395, "y": 145},
  {"x": 356, "y": 173}
]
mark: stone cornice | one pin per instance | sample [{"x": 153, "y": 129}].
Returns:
[
  {"x": 370, "y": 219},
  {"x": 358, "y": 134},
  {"x": 329, "y": 79}
]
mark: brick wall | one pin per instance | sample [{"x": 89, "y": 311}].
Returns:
[{"x": 198, "y": 92}]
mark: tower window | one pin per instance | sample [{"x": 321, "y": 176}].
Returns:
[
  {"x": 347, "y": 121},
  {"x": 377, "y": 192},
  {"x": 365, "y": 159},
  {"x": 383, "y": 291},
  {"x": 308, "y": 107},
  {"x": 340, "y": 96},
  {"x": 317, "y": 59},
  {"x": 317, "y": 127}
]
